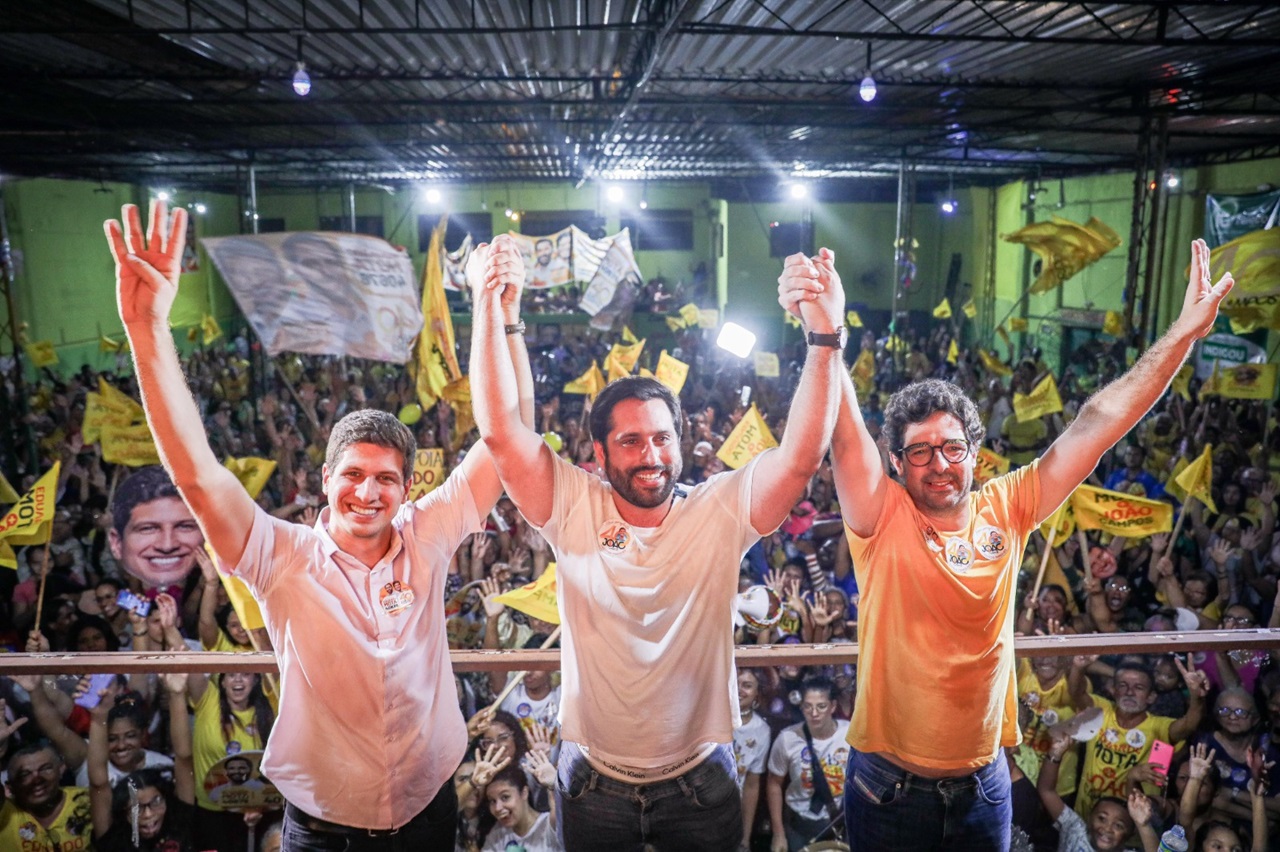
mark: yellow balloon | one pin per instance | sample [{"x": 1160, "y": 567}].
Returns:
[
  {"x": 554, "y": 441},
  {"x": 410, "y": 414}
]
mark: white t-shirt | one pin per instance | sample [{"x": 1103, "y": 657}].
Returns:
[
  {"x": 751, "y": 747},
  {"x": 541, "y": 838},
  {"x": 150, "y": 760},
  {"x": 544, "y": 711},
  {"x": 647, "y": 617},
  {"x": 790, "y": 757}
]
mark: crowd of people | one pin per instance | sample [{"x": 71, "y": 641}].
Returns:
[{"x": 134, "y": 761}]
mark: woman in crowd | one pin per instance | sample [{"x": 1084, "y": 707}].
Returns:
[
  {"x": 517, "y": 824},
  {"x": 809, "y": 758}
]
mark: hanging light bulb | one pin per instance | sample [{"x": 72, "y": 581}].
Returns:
[
  {"x": 301, "y": 81},
  {"x": 1171, "y": 179},
  {"x": 949, "y": 204},
  {"x": 867, "y": 88}
]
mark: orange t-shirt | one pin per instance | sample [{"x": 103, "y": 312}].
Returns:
[{"x": 937, "y": 683}]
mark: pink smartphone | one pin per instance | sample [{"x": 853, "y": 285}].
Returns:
[{"x": 1161, "y": 755}]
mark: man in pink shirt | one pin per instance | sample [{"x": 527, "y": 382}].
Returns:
[{"x": 369, "y": 730}]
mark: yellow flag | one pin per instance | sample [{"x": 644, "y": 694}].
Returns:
[
  {"x": 1113, "y": 324},
  {"x": 943, "y": 309},
  {"x": 42, "y": 353},
  {"x": 1042, "y": 400},
  {"x": 994, "y": 364},
  {"x": 1063, "y": 523},
  {"x": 613, "y": 370},
  {"x": 863, "y": 372},
  {"x": 7, "y": 492},
  {"x": 645, "y": 372},
  {"x": 132, "y": 446},
  {"x": 537, "y": 599},
  {"x": 97, "y": 414},
  {"x": 428, "y": 471},
  {"x": 30, "y": 521},
  {"x": 953, "y": 352},
  {"x": 625, "y": 356},
  {"x": 591, "y": 382},
  {"x": 989, "y": 465},
  {"x": 671, "y": 372},
  {"x": 1017, "y": 324},
  {"x": 1064, "y": 247},
  {"x": 1197, "y": 478},
  {"x": 1171, "y": 486},
  {"x": 209, "y": 329},
  {"x": 1003, "y": 334},
  {"x": 708, "y": 318},
  {"x": 674, "y": 323},
  {"x": 767, "y": 366},
  {"x": 628, "y": 336},
  {"x": 1120, "y": 514},
  {"x": 252, "y": 471},
  {"x": 690, "y": 314},
  {"x": 970, "y": 309},
  {"x": 853, "y": 319},
  {"x": 791, "y": 320},
  {"x": 747, "y": 440},
  {"x": 8, "y": 558},
  {"x": 894, "y": 343},
  {"x": 436, "y": 358},
  {"x": 1246, "y": 381},
  {"x": 106, "y": 344},
  {"x": 1182, "y": 382},
  {"x": 458, "y": 394},
  {"x": 115, "y": 399},
  {"x": 1254, "y": 263}
]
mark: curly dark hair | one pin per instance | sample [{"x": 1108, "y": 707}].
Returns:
[
  {"x": 145, "y": 485},
  {"x": 918, "y": 401}
]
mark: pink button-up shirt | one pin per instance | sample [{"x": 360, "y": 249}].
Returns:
[{"x": 369, "y": 728}]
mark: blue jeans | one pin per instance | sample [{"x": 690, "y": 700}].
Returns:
[
  {"x": 435, "y": 827},
  {"x": 886, "y": 807},
  {"x": 699, "y": 810}
]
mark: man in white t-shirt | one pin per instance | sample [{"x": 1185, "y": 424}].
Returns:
[{"x": 646, "y": 574}]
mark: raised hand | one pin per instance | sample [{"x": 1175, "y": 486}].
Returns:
[
  {"x": 504, "y": 271},
  {"x": 1220, "y": 552},
  {"x": 479, "y": 723},
  {"x": 1197, "y": 682},
  {"x": 1200, "y": 762},
  {"x": 1200, "y": 305},
  {"x": 826, "y": 313},
  {"x": 168, "y": 609},
  {"x": 544, "y": 771},
  {"x": 540, "y": 739},
  {"x": 490, "y": 588},
  {"x": 489, "y": 762},
  {"x": 798, "y": 283},
  {"x": 37, "y": 643},
  {"x": 7, "y": 729},
  {"x": 147, "y": 272},
  {"x": 1148, "y": 773},
  {"x": 1250, "y": 539},
  {"x": 1139, "y": 808},
  {"x": 207, "y": 571}
]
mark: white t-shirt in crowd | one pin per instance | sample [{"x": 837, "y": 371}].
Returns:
[
  {"x": 545, "y": 711},
  {"x": 790, "y": 757},
  {"x": 150, "y": 760},
  {"x": 751, "y": 747},
  {"x": 541, "y": 838}
]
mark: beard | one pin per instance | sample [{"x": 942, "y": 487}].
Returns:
[{"x": 644, "y": 497}]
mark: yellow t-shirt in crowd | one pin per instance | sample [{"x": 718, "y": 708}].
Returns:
[
  {"x": 1110, "y": 755},
  {"x": 209, "y": 746},
  {"x": 72, "y": 831},
  {"x": 222, "y": 643},
  {"x": 1049, "y": 707},
  {"x": 1024, "y": 438},
  {"x": 936, "y": 678}
]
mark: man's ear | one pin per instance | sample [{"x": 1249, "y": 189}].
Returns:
[{"x": 116, "y": 544}]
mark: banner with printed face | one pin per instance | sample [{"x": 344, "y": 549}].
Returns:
[
  {"x": 323, "y": 292},
  {"x": 236, "y": 783},
  {"x": 612, "y": 287},
  {"x": 548, "y": 261}
]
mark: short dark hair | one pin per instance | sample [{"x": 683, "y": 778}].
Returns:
[
  {"x": 151, "y": 777},
  {"x": 371, "y": 426},
  {"x": 819, "y": 683},
  {"x": 631, "y": 387},
  {"x": 512, "y": 775},
  {"x": 94, "y": 622},
  {"x": 1134, "y": 667},
  {"x": 34, "y": 748},
  {"x": 920, "y": 400},
  {"x": 145, "y": 485}
]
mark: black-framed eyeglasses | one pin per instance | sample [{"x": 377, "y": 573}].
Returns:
[
  {"x": 1242, "y": 620},
  {"x": 955, "y": 451},
  {"x": 1238, "y": 712}
]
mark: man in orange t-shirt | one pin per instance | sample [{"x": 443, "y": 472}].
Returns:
[{"x": 936, "y": 564}]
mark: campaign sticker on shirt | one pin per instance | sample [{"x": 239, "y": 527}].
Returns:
[
  {"x": 1032, "y": 699},
  {"x": 395, "y": 597},
  {"x": 615, "y": 537},
  {"x": 932, "y": 539},
  {"x": 991, "y": 542},
  {"x": 1050, "y": 717},
  {"x": 523, "y": 709},
  {"x": 1136, "y": 738},
  {"x": 805, "y": 754},
  {"x": 959, "y": 555}
]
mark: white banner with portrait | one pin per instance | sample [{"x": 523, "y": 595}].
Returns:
[{"x": 323, "y": 292}]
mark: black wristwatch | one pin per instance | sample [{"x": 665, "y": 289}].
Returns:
[{"x": 835, "y": 341}]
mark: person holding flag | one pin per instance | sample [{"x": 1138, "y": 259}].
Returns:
[
  {"x": 937, "y": 565},
  {"x": 646, "y": 574},
  {"x": 369, "y": 731}
]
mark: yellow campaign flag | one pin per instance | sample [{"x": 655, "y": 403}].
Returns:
[
  {"x": 1113, "y": 324},
  {"x": 628, "y": 336},
  {"x": 436, "y": 358},
  {"x": 8, "y": 558},
  {"x": 994, "y": 364},
  {"x": 708, "y": 318},
  {"x": 591, "y": 382},
  {"x": 106, "y": 344},
  {"x": 894, "y": 343},
  {"x": 1062, "y": 522},
  {"x": 953, "y": 352},
  {"x": 671, "y": 372},
  {"x": 646, "y": 372},
  {"x": 791, "y": 320},
  {"x": 1254, "y": 262},
  {"x": 626, "y": 355},
  {"x": 690, "y": 314},
  {"x": 749, "y": 438},
  {"x": 42, "y": 353},
  {"x": 98, "y": 414},
  {"x": 242, "y": 602},
  {"x": 1042, "y": 400},
  {"x": 30, "y": 521},
  {"x": 613, "y": 370},
  {"x": 1120, "y": 514},
  {"x": 1196, "y": 480},
  {"x": 458, "y": 394},
  {"x": 1017, "y": 324},
  {"x": 943, "y": 309},
  {"x": 989, "y": 464},
  {"x": 1171, "y": 487},
  {"x": 767, "y": 366},
  {"x": 1246, "y": 381},
  {"x": 428, "y": 471},
  {"x": 853, "y": 319},
  {"x": 863, "y": 372},
  {"x": 7, "y": 492},
  {"x": 537, "y": 599},
  {"x": 1003, "y": 334},
  {"x": 115, "y": 399},
  {"x": 1182, "y": 381},
  {"x": 1064, "y": 247},
  {"x": 132, "y": 446},
  {"x": 674, "y": 323},
  {"x": 209, "y": 329},
  {"x": 252, "y": 471},
  {"x": 970, "y": 309}
]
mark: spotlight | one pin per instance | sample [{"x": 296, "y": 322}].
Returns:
[
  {"x": 301, "y": 81},
  {"x": 644, "y": 205},
  {"x": 614, "y": 194},
  {"x": 515, "y": 216},
  {"x": 948, "y": 206},
  {"x": 164, "y": 194},
  {"x": 431, "y": 195},
  {"x": 509, "y": 213},
  {"x": 799, "y": 190},
  {"x": 736, "y": 339},
  {"x": 1171, "y": 179},
  {"x": 201, "y": 209},
  {"x": 949, "y": 203}
]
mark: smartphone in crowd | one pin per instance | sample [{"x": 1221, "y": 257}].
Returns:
[
  {"x": 1161, "y": 756},
  {"x": 134, "y": 603},
  {"x": 97, "y": 683}
]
